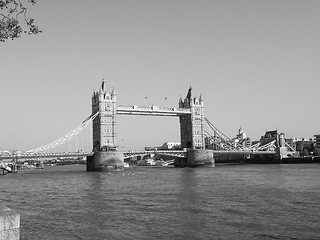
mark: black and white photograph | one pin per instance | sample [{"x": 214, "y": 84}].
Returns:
[{"x": 159, "y": 119}]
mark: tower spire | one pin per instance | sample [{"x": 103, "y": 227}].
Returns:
[
  {"x": 189, "y": 95},
  {"x": 103, "y": 86}
]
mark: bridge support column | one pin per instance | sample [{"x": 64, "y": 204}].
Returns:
[
  {"x": 105, "y": 161},
  {"x": 106, "y": 156},
  {"x": 282, "y": 152},
  {"x": 196, "y": 158}
]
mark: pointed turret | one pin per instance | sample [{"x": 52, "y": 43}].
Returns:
[
  {"x": 180, "y": 99},
  {"x": 196, "y": 101},
  {"x": 113, "y": 93},
  {"x": 103, "y": 86},
  {"x": 240, "y": 130},
  {"x": 200, "y": 98},
  {"x": 189, "y": 94}
]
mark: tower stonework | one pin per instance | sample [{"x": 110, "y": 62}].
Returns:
[
  {"x": 105, "y": 155},
  {"x": 104, "y": 125},
  {"x": 192, "y": 126},
  {"x": 192, "y": 134}
]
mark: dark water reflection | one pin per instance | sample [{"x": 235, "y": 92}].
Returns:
[{"x": 227, "y": 202}]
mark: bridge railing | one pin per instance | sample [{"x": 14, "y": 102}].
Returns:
[
  {"x": 121, "y": 109},
  {"x": 45, "y": 155},
  {"x": 175, "y": 153}
]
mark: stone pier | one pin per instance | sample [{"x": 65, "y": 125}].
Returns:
[
  {"x": 9, "y": 224},
  {"x": 105, "y": 161},
  {"x": 196, "y": 158}
]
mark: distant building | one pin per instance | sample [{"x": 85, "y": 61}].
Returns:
[
  {"x": 270, "y": 136},
  {"x": 241, "y": 134},
  {"x": 305, "y": 146},
  {"x": 317, "y": 140},
  {"x": 242, "y": 139},
  {"x": 170, "y": 145},
  {"x": 150, "y": 148},
  {"x": 165, "y": 146},
  {"x": 4, "y": 152}
]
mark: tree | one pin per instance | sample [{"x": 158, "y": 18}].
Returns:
[
  {"x": 316, "y": 151},
  {"x": 14, "y": 21}
]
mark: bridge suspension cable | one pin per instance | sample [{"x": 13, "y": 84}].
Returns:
[
  {"x": 66, "y": 137},
  {"x": 216, "y": 130},
  {"x": 220, "y": 139}
]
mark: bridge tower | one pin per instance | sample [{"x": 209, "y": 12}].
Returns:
[
  {"x": 104, "y": 132},
  {"x": 192, "y": 126},
  {"x": 105, "y": 155},
  {"x": 192, "y": 134}
]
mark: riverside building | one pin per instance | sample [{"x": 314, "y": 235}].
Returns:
[{"x": 317, "y": 140}]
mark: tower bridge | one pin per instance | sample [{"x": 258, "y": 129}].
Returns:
[
  {"x": 195, "y": 140},
  {"x": 190, "y": 113}
]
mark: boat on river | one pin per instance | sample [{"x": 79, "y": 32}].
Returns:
[
  {"x": 161, "y": 163},
  {"x": 126, "y": 165},
  {"x": 146, "y": 162}
]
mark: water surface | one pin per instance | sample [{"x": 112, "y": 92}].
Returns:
[{"x": 225, "y": 202}]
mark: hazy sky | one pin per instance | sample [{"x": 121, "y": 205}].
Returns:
[{"x": 256, "y": 64}]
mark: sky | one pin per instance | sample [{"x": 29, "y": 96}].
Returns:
[{"x": 255, "y": 63}]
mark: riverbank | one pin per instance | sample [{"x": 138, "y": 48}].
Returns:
[{"x": 240, "y": 159}]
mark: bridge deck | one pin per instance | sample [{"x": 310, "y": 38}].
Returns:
[
  {"x": 244, "y": 152},
  {"x": 131, "y": 153},
  {"x": 153, "y": 110}
]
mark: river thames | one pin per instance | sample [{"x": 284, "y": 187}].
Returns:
[{"x": 225, "y": 202}]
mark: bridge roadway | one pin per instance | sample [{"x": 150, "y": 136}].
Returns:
[
  {"x": 127, "y": 154},
  {"x": 46, "y": 155}
]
